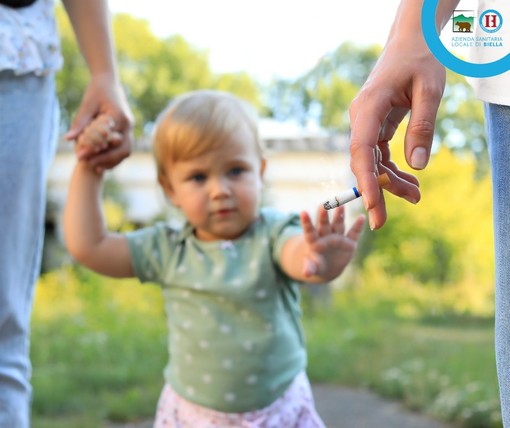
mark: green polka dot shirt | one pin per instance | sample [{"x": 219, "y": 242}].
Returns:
[{"x": 235, "y": 336}]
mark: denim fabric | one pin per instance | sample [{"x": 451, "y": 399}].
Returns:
[
  {"x": 28, "y": 128},
  {"x": 498, "y": 131}
]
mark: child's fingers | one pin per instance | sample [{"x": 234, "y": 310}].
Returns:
[
  {"x": 356, "y": 229},
  {"x": 323, "y": 226},
  {"x": 309, "y": 232},
  {"x": 338, "y": 224},
  {"x": 101, "y": 127},
  {"x": 90, "y": 143},
  {"x": 81, "y": 149},
  {"x": 115, "y": 138},
  {"x": 96, "y": 137},
  {"x": 91, "y": 137}
]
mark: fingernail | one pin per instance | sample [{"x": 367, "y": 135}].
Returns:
[
  {"x": 371, "y": 220},
  {"x": 419, "y": 158},
  {"x": 410, "y": 199}
]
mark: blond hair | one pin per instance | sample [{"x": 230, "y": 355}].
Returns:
[{"x": 199, "y": 121}]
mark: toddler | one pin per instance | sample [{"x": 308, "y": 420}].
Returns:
[{"x": 229, "y": 275}]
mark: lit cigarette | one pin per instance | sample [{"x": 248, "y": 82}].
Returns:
[{"x": 351, "y": 194}]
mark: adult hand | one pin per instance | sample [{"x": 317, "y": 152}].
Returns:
[
  {"x": 104, "y": 95},
  {"x": 406, "y": 78}
]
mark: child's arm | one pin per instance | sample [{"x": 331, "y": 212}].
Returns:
[
  {"x": 85, "y": 232},
  {"x": 321, "y": 253}
]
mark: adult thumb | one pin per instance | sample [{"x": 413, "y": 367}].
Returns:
[{"x": 81, "y": 120}]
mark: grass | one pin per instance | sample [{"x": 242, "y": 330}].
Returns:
[
  {"x": 99, "y": 349},
  {"x": 445, "y": 370}
]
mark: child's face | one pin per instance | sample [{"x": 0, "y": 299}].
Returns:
[{"x": 219, "y": 191}]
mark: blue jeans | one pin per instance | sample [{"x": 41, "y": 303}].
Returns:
[
  {"x": 28, "y": 129},
  {"x": 497, "y": 119}
]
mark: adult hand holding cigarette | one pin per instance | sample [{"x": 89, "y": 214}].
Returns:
[{"x": 351, "y": 194}]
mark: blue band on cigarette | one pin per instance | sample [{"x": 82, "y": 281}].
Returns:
[{"x": 356, "y": 192}]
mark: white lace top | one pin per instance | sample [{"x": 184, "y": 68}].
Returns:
[{"x": 29, "y": 40}]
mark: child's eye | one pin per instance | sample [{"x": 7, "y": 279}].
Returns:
[
  {"x": 236, "y": 171},
  {"x": 199, "y": 178}
]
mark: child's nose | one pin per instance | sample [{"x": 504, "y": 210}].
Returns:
[{"x": 220, "y": 188}]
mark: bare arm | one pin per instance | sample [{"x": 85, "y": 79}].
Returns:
[
  {"x": 104, "y": 95},
  {"x": 85, "y": 233},
  {"x": 321, "y": 253},
  {"x": 406, "y": 78}
]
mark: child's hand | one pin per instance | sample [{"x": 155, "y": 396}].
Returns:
[
  {"x": 97, "y": 137},
  {"x": 328, "y": 248}
]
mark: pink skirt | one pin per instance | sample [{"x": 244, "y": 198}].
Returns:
[{"x": 294, "y": 409}]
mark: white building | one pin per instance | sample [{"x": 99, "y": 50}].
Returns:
[{"x": 305, "y": 167}]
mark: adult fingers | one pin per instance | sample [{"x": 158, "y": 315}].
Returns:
[
  {"x": 112, "y": 156},
  {"x": 420, "y": 130},
  {"x": 368, "y": 114},
  {"x": 402, "y": 184},
  {"x": 391, "y": 123},
  {"x": 83, "y": 117}
]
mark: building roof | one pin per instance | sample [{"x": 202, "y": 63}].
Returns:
[{"x": 277, "y": 136}]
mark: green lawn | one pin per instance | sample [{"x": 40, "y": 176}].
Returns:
[{"x": 445, "y": 369}]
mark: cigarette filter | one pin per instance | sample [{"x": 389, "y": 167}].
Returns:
[{"x": 351, "y": 194}]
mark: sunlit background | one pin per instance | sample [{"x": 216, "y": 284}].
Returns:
[
  {"x": 265, "y": 38},
  {"x": 411, "y": 319}
]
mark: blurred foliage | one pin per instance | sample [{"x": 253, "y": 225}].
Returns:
[
  {"x": 98, "y": 349},
  {"x": 325, "y": 92},
  {"x": 460, "y": 124},
  {"x": 153, "y": 70},
  {"x": 446, "y": 240}
]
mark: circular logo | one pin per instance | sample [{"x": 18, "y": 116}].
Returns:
[
  {"x": 445, "y": 57},
  {"x": 491, "y": 21}
]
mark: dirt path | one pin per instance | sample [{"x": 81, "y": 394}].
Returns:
[
  {"x": 342, "y": 407},
  {"x": 347, "y": 408}
]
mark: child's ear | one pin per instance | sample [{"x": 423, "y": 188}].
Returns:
[{"x": 167, "y": 189}]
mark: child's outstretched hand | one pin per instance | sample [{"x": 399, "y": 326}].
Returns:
[
  {"x": 97, "y": 136},
  {"x": 328, "y": 249}
]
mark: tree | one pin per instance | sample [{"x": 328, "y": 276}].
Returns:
[
  {"x": 447, "y": 237},
  {"x": 460, "y": 123},
  {"x": 153, "y": 70},
  {"x": 325, "y": 92},
  {"x": 72, "y": 79}
]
